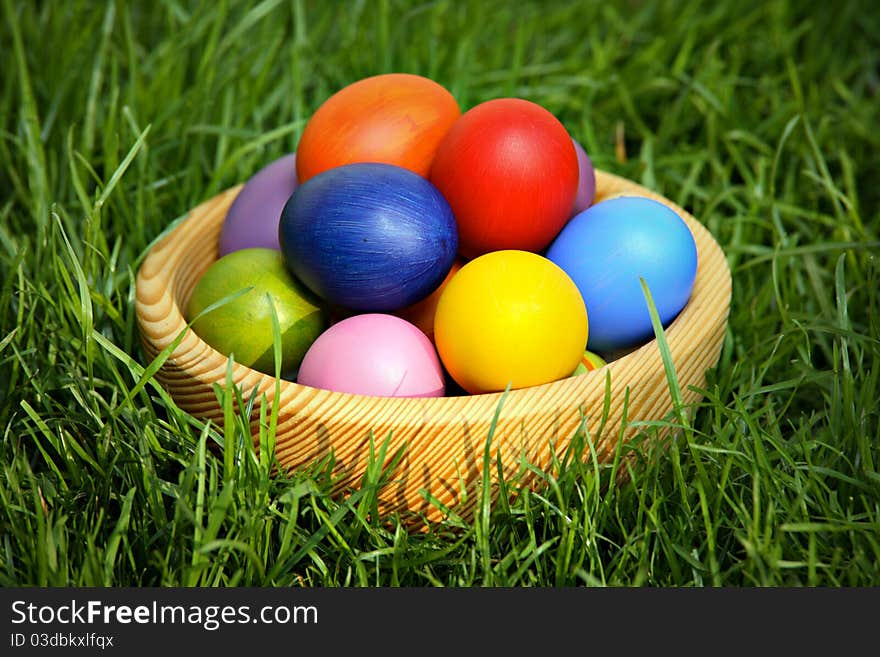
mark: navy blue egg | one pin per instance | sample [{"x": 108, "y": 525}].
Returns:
[
  {"x": 369, "y": 237},
  {"x": 607, "y": 247}
]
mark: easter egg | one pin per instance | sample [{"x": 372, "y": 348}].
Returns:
[
  {"x": 510, "y": 318},
  {"x": 374, "y": 354},
  {"x": 369, "y": 237},
  {"x": 586, "y": 190},
  {"x": 589, "y": 362},
  {"x": 422, "y": 312},
  {"x": 395, "y": 118},
  {"x": 608, "y": 247},
  {"x": 252, "y": 219},
  {"x": 242, "y": 327},
  {"x": 509, "y": 170}
]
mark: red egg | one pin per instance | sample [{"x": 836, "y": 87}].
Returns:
[
  {"x": 509, "y": 170},
  {"x": 396, "y": 118}
]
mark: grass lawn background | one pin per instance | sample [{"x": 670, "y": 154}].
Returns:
[{"x": 761, "y": 118}]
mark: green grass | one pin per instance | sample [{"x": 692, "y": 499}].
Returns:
[{"x": 760, "y": 118}]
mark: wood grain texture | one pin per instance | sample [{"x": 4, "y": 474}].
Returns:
[{"x": 444, "y": 439}]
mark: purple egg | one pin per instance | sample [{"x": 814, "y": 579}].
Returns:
[
  {"x": 586, "y": 181},
  {"x": 252, "y": 219}
]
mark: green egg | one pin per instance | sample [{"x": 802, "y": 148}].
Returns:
[
  {"x": 589, "y": 362},
  {"x": 242, "y": 327}
]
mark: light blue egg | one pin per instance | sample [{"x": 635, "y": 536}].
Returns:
[{"x": 606, "y": 249}]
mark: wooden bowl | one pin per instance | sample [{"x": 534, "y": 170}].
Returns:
[{"x": 444, "y": 438}]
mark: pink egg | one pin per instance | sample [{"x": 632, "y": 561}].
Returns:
[
  {"x": 586, "y": 181},
  {"x": 252, "y": 219},
  {"x": 374, "y": 354}
]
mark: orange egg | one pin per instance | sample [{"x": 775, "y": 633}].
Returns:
[
  {"x": 395, "y": 118},
  {"x": 422, "y": 312}
]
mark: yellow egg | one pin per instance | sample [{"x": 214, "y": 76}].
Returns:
[{"x": 510, "y": 318}]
